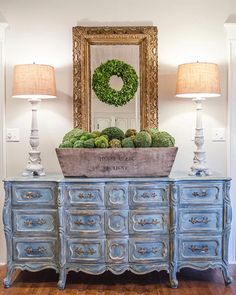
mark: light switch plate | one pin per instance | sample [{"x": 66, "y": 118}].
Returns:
[
  {"x": 13, "y": 134},
  {"x": 218, "y": 134}
]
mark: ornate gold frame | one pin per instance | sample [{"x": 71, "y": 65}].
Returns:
[{"x": 146, "y": 38}]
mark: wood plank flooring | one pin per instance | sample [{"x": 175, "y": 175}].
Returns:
[{"x": 191, "y": 282}]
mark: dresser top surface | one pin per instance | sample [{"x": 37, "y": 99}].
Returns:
[{"x": 175, "y": 176}]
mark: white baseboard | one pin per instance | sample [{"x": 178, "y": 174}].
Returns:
[{"x": 2, "y": 263}]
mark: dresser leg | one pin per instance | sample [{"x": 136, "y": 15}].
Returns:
[
  {"x": 7, "y": 280},
  {"x": 173, "y": 279},
  {"x": 62, "y": 279},
  {"x": 226, "y": 275}
]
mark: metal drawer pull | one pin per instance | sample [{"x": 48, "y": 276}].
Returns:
[
  {"x": 31, "y": 222},
  {"x": 202, "y": 249},
  {"x": 84, "y": 196},
  {"x": 38, "y": 251},
  {"x": 90, "y": 222},
  {"x": 144, "y": 222},
  {"x": 201, "y": 194},
  {"x": 148, "y": 195},
  {"x": 144, "y": 251},
  {"x": 31, "y": 195},
  {"x": 195, "y": 220},
  {"x": 80, "y": 251}
]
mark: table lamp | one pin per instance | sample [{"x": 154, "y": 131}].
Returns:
[
  {"x": 198, "y": 81},
  {"x": 34, "y": 82}
]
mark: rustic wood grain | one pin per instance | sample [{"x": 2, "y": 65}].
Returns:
[
  {"x": 192, "y": 282},
  {"x": 119, "y": 162}
]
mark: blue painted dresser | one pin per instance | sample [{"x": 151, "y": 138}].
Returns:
[{"x": 117, "y": 224}]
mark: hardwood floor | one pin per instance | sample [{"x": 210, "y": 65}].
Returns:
[{"x": 191, "y": 282}]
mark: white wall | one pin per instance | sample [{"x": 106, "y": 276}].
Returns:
[
  {"x": 3, "y": 26},
  {"x": 41, "y": 31}
]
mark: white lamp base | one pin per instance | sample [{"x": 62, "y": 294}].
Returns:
[
  {"x": 34, "y": 167},
  {"x": 199, "y": 167}
]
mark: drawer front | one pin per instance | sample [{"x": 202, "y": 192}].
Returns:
[
  {"x": 85, "y": 222},
  {"x": 85, "y": 195},
  {"x": 201, "y": 193},
  {"x": 200, "y": 220},
  {"x": 149, "y": 194},
  {"x": 37, "y": 221},
  {"x": 142, "y": 250},
  {"x": 148, "y": 222},
  {"x": 86, "y": 250},
  {"x": 33, "y": 249},
  {"x": 116, "y": 196},
  {"x": 200, "y": 248},
  {"x": 117, "y": 250},
  {"x": 117, "y": 222},
  {"x": 30, "y": 194}
]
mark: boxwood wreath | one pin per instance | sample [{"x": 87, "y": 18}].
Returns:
[{"x": 102, "y": 88}]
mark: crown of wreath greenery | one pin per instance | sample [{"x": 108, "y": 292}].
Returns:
[{"x": 102, "y": 88}]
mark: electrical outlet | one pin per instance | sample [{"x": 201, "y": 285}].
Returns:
[
  {"x": 13, "y": 134},
  {"x": 218, "y": 134}
]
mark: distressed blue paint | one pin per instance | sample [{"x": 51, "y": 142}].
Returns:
[
  {"x": 117, "y": 251},
  {"x": 36, "y": 221},
  {"x": 80, "y": 194},
  {"x": 86, "y": 250},
  {"x": 204, "y": 220},
  {"x": 116, "y": 195},
  {"x": 117, "y": 222},
  {"x": 85, "y": 222},
  {"x": 149, "y": 221},
  {"x": 137, "y": 224}
]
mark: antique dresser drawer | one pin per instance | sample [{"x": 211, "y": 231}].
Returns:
[
  {"x": 149, "y": 194},
  {"x": 200, "y": 248},
  {"x": 85, "y": 222},
  {"x": 117, "y": 250},
  {"x": 34, "y": 193},
  {"x": 85, "y": 195},
  {"x": 201, "y": 193},
  {"x": 34, "y": 221},
  {"x": 86, "y": 250},
  {"x": 117, "y": 222},
  {"x": 34, "y": 249},
  {"x": 143, "y": 249},
  {"x": 116, "y": 195},
  {"x": 191, "y": 220},
  {"x": 149, "y": 221}
]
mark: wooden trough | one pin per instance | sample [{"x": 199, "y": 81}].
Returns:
[{"x": 116, "y": 162}]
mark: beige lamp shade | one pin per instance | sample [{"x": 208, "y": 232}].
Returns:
[
  {"x": 33, "y": 81},
  {"x": 198, "y": 79}
]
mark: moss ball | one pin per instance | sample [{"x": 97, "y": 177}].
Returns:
[
  {"x": 96, "y": 133},
  {"x": 153, "y": 131},
  {"x": 113, "y": 132},
  {"x": 66, "y": 144},
  {"x": 163, "y": 139},
  {"x": 130, "y": 132},
  {"x": 143, "y": 139},
  {"x": 89, "y": 143},
  {"x": 79, "y": 144},
  {"x": 115, "y": 143},
  {"x": 74, "y": 133},
  {"x": 128, "y": 142},
  {"x": 101, "y": 142}
]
